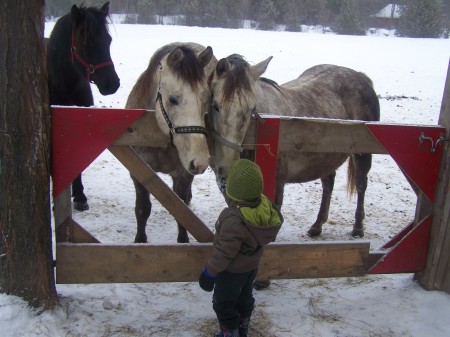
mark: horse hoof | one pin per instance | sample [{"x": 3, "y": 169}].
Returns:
[
  {"x": 358, "y": 233},
  {"x": 81, "y": 205},
  {"x": 261, "y": 284},
  {"x": 314, "y": 232},
  {"x": 139, "y": 239}
]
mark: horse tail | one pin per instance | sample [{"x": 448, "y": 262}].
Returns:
[{"x": 351, "y": 187}]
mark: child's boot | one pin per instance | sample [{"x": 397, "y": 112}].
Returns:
[
  {"x": 224, "y": 332},
  {"x": 243, "y": 326}
]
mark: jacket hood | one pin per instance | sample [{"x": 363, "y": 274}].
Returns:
[{"x": 262, "y": 218}]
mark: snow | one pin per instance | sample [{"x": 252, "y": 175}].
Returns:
[{"x": 409, "y": 76}]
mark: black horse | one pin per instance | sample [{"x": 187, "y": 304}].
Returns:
[{"x": 77, "y": 55}]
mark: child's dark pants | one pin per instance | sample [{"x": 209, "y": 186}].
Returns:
[{"x": 233, "y": 297}]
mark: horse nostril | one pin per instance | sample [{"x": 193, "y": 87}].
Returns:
[{"x": 192, "y": 167}]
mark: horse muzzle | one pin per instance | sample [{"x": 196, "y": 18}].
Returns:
[{"x": 108, "y": 85}]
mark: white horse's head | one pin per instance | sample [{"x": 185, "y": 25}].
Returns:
[
  {"x": 233, "y": 103},
  {"x": 182, "y": 100}
]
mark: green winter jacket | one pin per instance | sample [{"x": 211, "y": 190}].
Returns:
[{"x": 242, "y": 231}]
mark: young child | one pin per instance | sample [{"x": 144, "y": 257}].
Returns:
[{"x": 248, "y": 224}]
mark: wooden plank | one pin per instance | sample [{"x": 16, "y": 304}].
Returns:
[
  {"x": 314, "y": 260},
  {"x": 154, "y": 184},
  {"x": 436, "y": 275},
  {"x": 66, "y": 228},
  {"x": 100, "y": 263},
  {"x": 62, "y": 214},
  {"x": 296, "y": 134},
  {"x": 144, "y": 132},
  {"x": 327, "y": 135},
  {"x": 72, "y": 231},
  {"x": 375, "y": 257}
]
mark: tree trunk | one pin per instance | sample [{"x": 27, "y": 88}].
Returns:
[{"x": 26, "y": 260}]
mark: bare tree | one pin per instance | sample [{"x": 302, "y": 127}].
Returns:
[{"x": 26, "y": 261}]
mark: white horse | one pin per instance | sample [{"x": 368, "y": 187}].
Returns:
[
  {"x": 175, "y": 86},
  {"x": 326, "y": 91}
]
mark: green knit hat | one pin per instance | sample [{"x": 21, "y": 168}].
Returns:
[{"x": 245, "y": 181}]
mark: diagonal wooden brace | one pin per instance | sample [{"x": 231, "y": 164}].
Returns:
[{"x": 154, "y": 184}]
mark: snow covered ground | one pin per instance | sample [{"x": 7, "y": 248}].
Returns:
[{"x": 409, "y": 76}]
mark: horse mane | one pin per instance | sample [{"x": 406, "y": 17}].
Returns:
[
  {"x": 188, "y": 68},
  {"x": 94, "y": 21},
  {"x": 272, "y": 83},
  {"x": 236, "y": 80}
]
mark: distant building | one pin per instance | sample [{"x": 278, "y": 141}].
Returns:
[{"x": 386, "y": 18}]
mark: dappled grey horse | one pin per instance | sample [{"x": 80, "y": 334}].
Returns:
[{"x": 325, "y": 91}]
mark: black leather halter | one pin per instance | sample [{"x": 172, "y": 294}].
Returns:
[{"x": 177, "y": 129}]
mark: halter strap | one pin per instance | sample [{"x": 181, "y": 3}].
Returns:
[
  {"x": 226, "y": 142},
  {"x": 90, "y": 68},
  {"x": 180, "y": 129}
]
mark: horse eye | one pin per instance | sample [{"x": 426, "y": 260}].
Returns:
[
  {"x": 173, "y": 100},
  {"x": 216, "y": 107}
]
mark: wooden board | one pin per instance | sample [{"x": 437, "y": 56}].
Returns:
[
  {"x": 296, "y": 134},
  {"x": 436, "y": 275},
  {"x": 72, "y": 231},
  {"x": 100, "y": 263}
]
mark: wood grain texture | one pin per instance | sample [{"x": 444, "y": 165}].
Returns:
[{"x": 101, "y": 263}]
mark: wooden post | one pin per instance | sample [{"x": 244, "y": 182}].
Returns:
[{"x": 436, "y": 275}]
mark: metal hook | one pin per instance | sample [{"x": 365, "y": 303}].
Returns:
[{"x": 441, "y": 139}]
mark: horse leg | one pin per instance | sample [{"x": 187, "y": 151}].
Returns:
[
  {"x": 322, "y": 217},
  {"x": 142, "y": 210},
  {"x": 79, "y": 199},
  {"x": 361, "y": 164},
  {"x": 182, "y": 184}
]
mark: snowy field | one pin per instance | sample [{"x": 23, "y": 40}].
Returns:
[{"x": 409, "y": 77}]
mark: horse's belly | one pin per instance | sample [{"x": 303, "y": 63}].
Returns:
[{"x": 303, "y": 166}]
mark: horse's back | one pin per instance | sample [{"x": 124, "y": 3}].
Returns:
[
  {"x": 328, "y": 91},
  {"x": 350, "y": 93}
]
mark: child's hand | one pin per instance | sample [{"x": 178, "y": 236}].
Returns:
[{"x": 206, "y": 280}]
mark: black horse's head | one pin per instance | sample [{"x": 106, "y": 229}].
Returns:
[{"x": 90, "y": 47}]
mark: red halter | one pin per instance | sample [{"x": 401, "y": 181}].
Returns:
[{"x": 90, "y": 68}]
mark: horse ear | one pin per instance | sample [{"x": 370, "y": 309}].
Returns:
[
  {"x": 205, "y": 56},
  {"x": 76, "y": 14},
  {"x": 105, "y": 8},
  {"x": 222, "y": 67},
  {"x": 258, "y": 69},
  {"x": 175, "y": 56}
]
